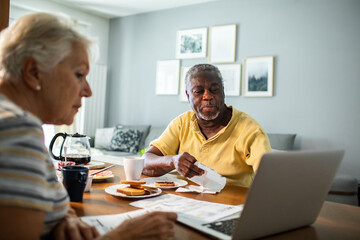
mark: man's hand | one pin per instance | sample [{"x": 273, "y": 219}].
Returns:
[
  {"x": 156, "y": 164},
  {"x": 71, "y": 227},
  {"x": 184, "y": 163},
  {"x": 154, "y": 225}
]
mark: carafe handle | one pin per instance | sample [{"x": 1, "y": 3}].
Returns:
[{"x": 63, "y": 135}]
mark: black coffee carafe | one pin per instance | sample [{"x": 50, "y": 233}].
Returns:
[{"x": 74, "y": 147}]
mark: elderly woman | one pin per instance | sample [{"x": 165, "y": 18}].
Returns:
[{"x": 43, "y": 68}]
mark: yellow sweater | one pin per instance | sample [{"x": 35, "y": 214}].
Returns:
[{"x": 234, "y": 152}]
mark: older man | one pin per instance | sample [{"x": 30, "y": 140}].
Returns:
[{"x": 218, "y": 136}]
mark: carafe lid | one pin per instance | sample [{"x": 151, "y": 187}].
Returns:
[{"x": 77, "y": 135}]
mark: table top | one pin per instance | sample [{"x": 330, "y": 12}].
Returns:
[{"x": 336, "y": 221}]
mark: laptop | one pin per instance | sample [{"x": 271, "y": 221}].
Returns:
[{"x": 287, "y": 192}]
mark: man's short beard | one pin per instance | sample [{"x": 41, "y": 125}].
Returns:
[{"x": 207, "y": 118}]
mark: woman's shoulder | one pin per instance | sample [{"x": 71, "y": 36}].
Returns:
[
  {"x": 9, "y": 109},
  {"x": 11, "y": 113}
]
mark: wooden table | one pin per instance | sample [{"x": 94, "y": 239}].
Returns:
[{"x": 336, "y": 221}]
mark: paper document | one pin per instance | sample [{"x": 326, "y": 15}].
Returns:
[
  {"x": 193, "y": 188},
  {"x": 210, "y": 181},
  {"x": 105, "y": 223},
  {"x": 188, "y": 208}
]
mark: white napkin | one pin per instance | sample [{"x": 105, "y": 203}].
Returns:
[
  {"x": 210, "y": 181},
  {"x": 193, "y": 188}
]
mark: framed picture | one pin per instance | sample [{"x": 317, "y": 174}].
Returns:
[
  {"x": 167, "y": 77},
  {"x": 182, "y": 94},
  {"x": 231, "y": 74},
  {"x": 258, "y": 77},
  {"x": 191, "y": 43},
  {"x": 222, "y": 44}
]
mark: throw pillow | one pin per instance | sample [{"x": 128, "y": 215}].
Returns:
[
  {"x": 125, "y": 140},
  {"x": 103, "y": 137},
  {"x": 145, "y": 129}
]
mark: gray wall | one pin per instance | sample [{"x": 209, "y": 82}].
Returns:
[{"x": 316, "y": 44}]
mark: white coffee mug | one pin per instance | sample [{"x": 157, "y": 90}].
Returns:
[
  {"x": 88, "y": 183},
  {"x": 133, "y": 167}
]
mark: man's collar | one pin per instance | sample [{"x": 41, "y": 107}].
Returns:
[{"x": 194, "y": 125}]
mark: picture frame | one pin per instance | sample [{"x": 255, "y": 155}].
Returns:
[
  {"x": 222, "y": 44},
  {"x": 191, "y": 43},
  {"x": 167, "y": 77},
  {"x": 231, "y": 74},
  {"x": 182, "y": 94},
  {"x": 258, "y": 78}
]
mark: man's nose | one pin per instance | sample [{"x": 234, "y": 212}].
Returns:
[{"x": 207, "y": 95}]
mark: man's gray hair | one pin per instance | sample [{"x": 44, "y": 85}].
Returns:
[
  {"x": 45, "y": 37},
  {"x": 195, "y": 70}
]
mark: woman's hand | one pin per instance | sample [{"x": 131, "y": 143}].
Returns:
[
  {"x": 154, "y": 225},
  {"x": 71, "y": 227}
]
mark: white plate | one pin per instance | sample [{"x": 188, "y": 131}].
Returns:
[
  {"x": 112, "y": 191},
  {"x": 100, "y": 178},
  {"x": 178, "y": 182},
  {"x": 91, "y": 165},
  {"x": 94, "y": 165}
]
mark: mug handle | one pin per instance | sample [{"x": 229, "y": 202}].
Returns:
[
  {"x": 63, "y": 135},
  {"x": 83, "y": 177}
]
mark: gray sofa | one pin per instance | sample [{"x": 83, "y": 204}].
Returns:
[
  {"x": 100, "y": 142},
  {"x": 102, "y": 138}
]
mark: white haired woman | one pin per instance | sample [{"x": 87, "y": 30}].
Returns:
[{"x": 43, "y": 68}]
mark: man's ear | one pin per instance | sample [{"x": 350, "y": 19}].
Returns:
[
  {"x": 187, "y": 95},
  {"x": 31, "y": 74}
]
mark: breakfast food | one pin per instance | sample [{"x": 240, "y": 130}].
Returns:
[
  {"x": 136, "y": 188},
  {"x": 129, "y": 191},
  {"x": 165, "y": 184},
  {"x": 143, "y": 187},
  {"x": 63, "y": 164},
  {"x": 102, "y": 175},
  {"x": 132, "y": 182}
]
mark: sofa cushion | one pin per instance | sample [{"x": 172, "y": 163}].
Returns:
[
  {"x": 343, "y": 183},
  {"x": 103, "y": 137},
  {"x": 154, "y": 133},
  {"x": 143, "y": 128},
  {"x": 281, "y": 141},
  {"x": 125, "y": 139},
  {"x": 118, "y": 153},
  {"x": 344, "y": 189}
]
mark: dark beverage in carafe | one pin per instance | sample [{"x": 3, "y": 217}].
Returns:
[{"x": 77, "y": 158}]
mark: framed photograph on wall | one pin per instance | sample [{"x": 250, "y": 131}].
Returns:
[
  {"x": 182, "y": 94},
  {"x": 231, "y": 74},
  {"x": 222, "y": 44},
  {"x": 167, "y": 77},
  {"x": 191, "y": 43},
  {"x": 258, "y": 76}
]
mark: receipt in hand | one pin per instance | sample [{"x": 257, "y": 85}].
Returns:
[{"x": 210, "y": 180}]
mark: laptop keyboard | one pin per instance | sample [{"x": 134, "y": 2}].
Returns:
[{"x": 227, "y": 226}]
